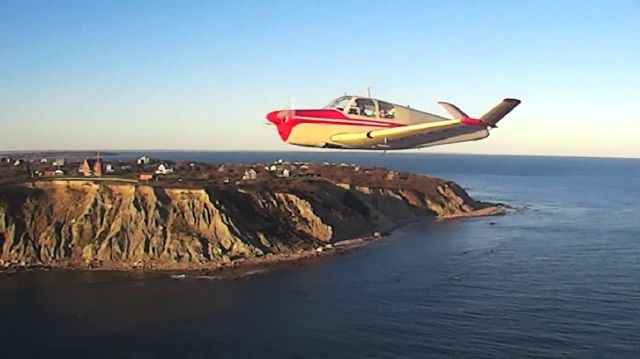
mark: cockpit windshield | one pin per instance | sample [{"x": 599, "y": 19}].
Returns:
[
  {"x": 340, "y": 103},
  {"x": 363, "y": 106}
]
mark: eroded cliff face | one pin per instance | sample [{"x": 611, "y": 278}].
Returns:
[{"x": 82, "y": 223}]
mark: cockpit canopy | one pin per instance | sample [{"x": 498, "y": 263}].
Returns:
[
  {"x": 340, "y": 103},
  {"x": 363, "y": 106}
]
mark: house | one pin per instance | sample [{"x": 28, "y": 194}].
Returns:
[
  {"x": 285, "y": 173},
  {"x": 91, "y": 167},
  {"x": 5, "y": 160},
  {"x": 226, "y": 180},
  {"x": 108, "y": 168},
  {"x": 144, "y": 160},
  {"x": 250, "y": 174},
  {"x": 44, "y": 160},
  {"x": 18, "y": 162},
  {"x": 164, "y": 169},
  {"x": 51, "y": 172},
  {"x": 273, "y": 168},
  {"x": 58, "y": 163},
  {"x": 145, "y": 176},
  {"x": 304, "y": 170}
]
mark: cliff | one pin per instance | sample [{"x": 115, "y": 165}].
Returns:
[{"x": 82, "y": 224}]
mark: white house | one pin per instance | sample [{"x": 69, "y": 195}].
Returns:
[
  {"x": 144, "y": 160},
  {"x": 58, "y": 163},
  {"x": 250, "y": 174},
  {"x": 164, "y": 169}
]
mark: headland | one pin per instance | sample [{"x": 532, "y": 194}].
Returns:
[{"x": 158, "y": 215}]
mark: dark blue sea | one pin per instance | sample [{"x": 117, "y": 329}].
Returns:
[{"x": 558, "y": 277}]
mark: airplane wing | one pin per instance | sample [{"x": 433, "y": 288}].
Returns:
[{"x": 398, "y": 135}]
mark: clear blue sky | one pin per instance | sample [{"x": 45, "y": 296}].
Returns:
[{"x": 202, "y": 74}]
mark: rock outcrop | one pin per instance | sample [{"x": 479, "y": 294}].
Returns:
[{"x": 109, "y": 224}]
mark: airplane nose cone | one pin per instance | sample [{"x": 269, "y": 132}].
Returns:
[{"x": 274, "y": 118}]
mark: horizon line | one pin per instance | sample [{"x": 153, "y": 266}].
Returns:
[{"x": 396, "y": 152}]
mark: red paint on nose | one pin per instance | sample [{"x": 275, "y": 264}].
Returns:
[
  {"x": 273, "y": 117},
  {"x": 283, "y": 124}
]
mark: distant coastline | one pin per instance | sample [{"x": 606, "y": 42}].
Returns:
[{"x": 37, "y": 155}]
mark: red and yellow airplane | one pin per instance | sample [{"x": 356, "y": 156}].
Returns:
[{"x": 353, "y": 122}]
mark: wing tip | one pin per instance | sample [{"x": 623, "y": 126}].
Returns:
[{"x": 512, "y": 100}]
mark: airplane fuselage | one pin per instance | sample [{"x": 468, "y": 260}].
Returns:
[{"x": 314, "y": 128}]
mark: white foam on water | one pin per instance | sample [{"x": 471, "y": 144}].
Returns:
[{"x": 209, "y": 277}]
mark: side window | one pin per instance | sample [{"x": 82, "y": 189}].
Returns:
[
  {"x": 363, "y": 107},
  {"x": 387, "y": 110}
]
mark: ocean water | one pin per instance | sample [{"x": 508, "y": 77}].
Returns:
[{"x": 559, "y": 277}]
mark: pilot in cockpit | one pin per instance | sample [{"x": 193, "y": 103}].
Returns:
[
  {"x": 365, "y": 107},
  {"x": 361, "y": 107}
]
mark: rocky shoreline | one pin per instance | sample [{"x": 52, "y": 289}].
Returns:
[
  {"x": 245, "y": 264},
  {"x": 99, "y": 225}
]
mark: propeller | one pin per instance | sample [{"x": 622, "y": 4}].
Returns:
[
  {"x": 290, "y": 112},
  {"x": 278, "y": 117}
]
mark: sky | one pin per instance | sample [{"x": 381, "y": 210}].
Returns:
[{"x": 201, "y": 75}]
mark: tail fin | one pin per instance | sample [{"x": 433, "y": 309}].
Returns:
[
  {"x": 453, "y": 110},
  {"x": 499, "y": 111}
]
